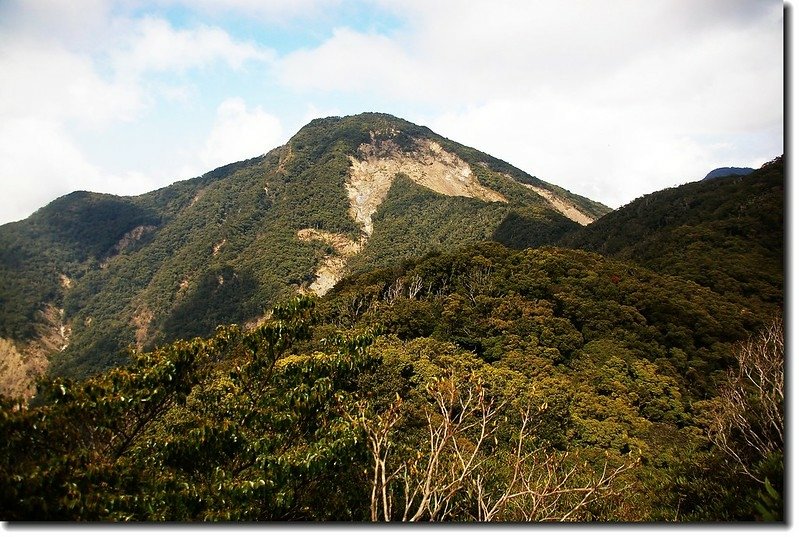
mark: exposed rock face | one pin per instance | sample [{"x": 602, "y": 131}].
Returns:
[
  {"x": 370, "y": 179},
  {"x": 22, "y": 363},
  {"x": 562, "y": 206},
  {"x": 341, "y": 243},
  {"x": 429, "y": 165},
  {"x": 332, "y": 267},
  {"x": 18, "y": 370},
  {"x": 141, "y": 320},
  {"x": 131, "y": 237}
]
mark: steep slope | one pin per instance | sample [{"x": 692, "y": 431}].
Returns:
[
  {"x": 343, "y": 194},
  {"x": 725, "y": 233},
  {"x": 41, "y": 259}
]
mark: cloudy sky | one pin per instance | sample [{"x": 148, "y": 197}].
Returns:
[{"x": 610, "y": 99}]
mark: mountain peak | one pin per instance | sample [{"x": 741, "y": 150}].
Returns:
[
  {"x": 727, "y": 171},
  {"x": 344, "y": 194}
]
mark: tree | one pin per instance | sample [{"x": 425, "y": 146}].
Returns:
[
  {"x": 229, "y": 428},
  {"x": 747, "y": 422},
  {"x": 462, "y": 473}
]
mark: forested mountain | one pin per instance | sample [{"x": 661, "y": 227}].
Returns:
[
  {"x": 91, "y": 274},
  {"x": 729, "y": 170},
  {"x": 725, "y": 233},
  {"x": 485, "y": 346},
  {"x": 485, "y": 384}
]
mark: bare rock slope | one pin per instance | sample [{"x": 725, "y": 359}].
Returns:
[{"x": 371, "y": 175}]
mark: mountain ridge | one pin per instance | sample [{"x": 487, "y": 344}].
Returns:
[
  {"x": 222, "y": 247},
  {"x": 727, "y": 171},
  {"x": 725, "y": 233},
  {"x": 484, "y": 336}
]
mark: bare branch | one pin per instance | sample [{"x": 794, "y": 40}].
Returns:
[
  {"x": 446, "y": 478},
  {"x": 748, "y": 420}
]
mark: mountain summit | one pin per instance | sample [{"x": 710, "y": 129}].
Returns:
[
  {"x": 91, "y": 274},
  {"x": 726, "y": 172}
]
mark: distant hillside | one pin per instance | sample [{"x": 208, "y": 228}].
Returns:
[
  {"x": 725, "y": 172},
  {"x": 726, "y": 234},
  {"x": 91, "y": 274}
]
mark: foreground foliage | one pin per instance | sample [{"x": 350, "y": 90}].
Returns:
[
  {"x": 225, "y": 428},
  {"x": 487, "y": 384}
]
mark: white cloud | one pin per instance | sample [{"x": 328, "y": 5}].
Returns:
[
  {"x": 606, "y": 154},
  {"x": 46, "y": 73},
  {"x": 39, "y": 162},
  {"x": 49, "y": 82},
  {"x": 56, "y": 86},
  {"x": 464, "y": 53},
  {"x": 240, "y": 133},
  {"x": 264, "y": 9},
  {"x": 154, "y": 45},
  {"x": 351, "y": 61},
  {"x": 84, "y": 25},
  {"x": 612, "y": 99}
]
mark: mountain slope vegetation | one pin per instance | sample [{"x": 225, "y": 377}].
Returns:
[
  {"x": 724, "y": 233},
  {"x": 221, "y": 248},
  {"x": 478, "y": 353},
  {"x": 484, "y": 384}
]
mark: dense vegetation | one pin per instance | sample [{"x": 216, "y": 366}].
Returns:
[
  {"x": 223, "y": 247},
  {"x": 487, "y": 384},
  {"x": 67, "y": 233},
  {"x": 475, "y": 365},
  {"x": 414, "y": 221},
  {"x": 726, "y": 234}
]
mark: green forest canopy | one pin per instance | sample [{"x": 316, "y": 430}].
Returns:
[{"x": 554, "y": 373}]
